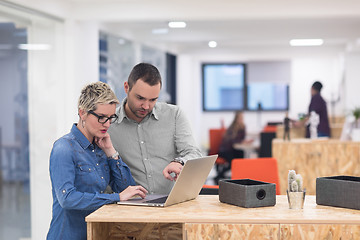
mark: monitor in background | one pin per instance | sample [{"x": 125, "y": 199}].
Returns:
[{"x": 268, "y": 96}]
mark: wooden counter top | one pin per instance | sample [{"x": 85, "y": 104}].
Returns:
[{"x": 208, "y": 209}]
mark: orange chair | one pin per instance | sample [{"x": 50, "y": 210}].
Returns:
[
  {"x": 270, "y": 128},
  {"x": 210, "y": 190},
  {"x": 216, "y": 136},
  {"x": 261, "y": 169}
]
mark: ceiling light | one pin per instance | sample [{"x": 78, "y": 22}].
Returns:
[
  {"x": 34, "y": 46},
  {"x": 212, "y": 44},
  {"x": 306, "y": 42},
  {"x": 177, "y": 24},
  {"x": 160, "y": 31}
]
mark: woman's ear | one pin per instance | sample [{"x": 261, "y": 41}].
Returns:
[{"x": 82, "y": 114}]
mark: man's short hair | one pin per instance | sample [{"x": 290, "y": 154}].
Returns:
[
  {"x": 147, "y": 73},
  {"x": 317, "y": 86}
]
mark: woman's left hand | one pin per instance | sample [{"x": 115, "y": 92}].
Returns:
[{"x": 105, "y": 144}]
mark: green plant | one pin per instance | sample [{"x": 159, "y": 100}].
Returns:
[{"x": 295, "y": 182}]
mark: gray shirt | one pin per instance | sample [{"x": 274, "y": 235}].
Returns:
[{"x": 149, "y": 146}]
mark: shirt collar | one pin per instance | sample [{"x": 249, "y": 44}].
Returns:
[
  {"x": 122, "y": 114},
  {"x": 80, "y": 137}
]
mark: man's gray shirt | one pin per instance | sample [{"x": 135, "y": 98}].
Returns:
[{"x": 149, "y": 146}]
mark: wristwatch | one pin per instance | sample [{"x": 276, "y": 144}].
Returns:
[
  {"x": 115, "y": 156},
  {"x": 178, "y": 160}
]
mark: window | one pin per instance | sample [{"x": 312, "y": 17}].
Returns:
[{"x": 223, "y": 86}]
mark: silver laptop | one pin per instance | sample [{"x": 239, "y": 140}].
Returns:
[{"x": 187, "y": 186}]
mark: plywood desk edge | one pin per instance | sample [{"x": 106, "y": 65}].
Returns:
[{"x": 174, "y": 214}]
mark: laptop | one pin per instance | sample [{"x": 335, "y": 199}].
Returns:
[{"x": 187, "y": 186}]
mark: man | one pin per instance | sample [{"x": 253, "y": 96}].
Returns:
[
  {"x": 318, "y": 105},
  {"x": 152, "y": 138}
]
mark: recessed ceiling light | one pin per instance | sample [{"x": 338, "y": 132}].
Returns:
[
  {"x": 177, "y": 24},
  {"x": 306, "y": 42},
  {"x": 160, "y": 31},
  {"x": 34, "y": 46},
  {"x": 212, "y": 44}
]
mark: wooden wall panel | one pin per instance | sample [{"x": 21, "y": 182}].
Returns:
[
  {"x": 319, "y": 231},
  {"x": 231, "y": 231},
  {"x": 315, "y": 158}
]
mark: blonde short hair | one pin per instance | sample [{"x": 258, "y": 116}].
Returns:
[{"x": 96, "y": 93}]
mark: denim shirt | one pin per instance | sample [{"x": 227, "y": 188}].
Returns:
[{"x": 80, "y": 173}]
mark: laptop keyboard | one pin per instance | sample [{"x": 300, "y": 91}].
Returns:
[{"x": 158, "y": 200}]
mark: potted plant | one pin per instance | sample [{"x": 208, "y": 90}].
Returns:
[
  {"x": 355, "y": 133},
  {"x": 295, "y": 192}
]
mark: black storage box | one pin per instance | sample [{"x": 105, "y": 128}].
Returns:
[
  {"x": 338, "y": 191},
  {"x": 247, "y": 193}
]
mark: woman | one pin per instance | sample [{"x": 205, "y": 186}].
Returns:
[
  {"x": 84, "y": 165},
  {"x": 234, "y": 134}
]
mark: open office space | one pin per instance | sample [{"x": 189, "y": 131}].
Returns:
[{"x": 216, "y": 58}]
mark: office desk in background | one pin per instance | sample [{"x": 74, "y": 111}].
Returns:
[
  {"x": 249, "y": 149},
  {"x": 205, "y": 217}
]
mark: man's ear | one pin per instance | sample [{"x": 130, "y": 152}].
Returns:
[{"x": 126, "y": 87}]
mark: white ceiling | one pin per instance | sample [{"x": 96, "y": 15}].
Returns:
[{"x": 234, "y": 24}]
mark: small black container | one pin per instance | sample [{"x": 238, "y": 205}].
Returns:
[
  {"x": 247, "y": 193},
  {"x": 338, "y": 191}
]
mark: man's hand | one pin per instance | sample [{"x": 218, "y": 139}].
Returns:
[{"x": 173, "y": 167}]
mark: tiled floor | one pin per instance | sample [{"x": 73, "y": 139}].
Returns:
[{"x": 14, "y": 211}]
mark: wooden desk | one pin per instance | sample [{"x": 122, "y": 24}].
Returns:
[
  {"x": 207, "y": 218},
  {"x": 315, "y": 158},
  {"x": 248, "y": 148}
]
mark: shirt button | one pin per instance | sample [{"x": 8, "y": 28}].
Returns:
[
  {"x": 102, "y": 192},
  {"x": 93, "y": 150},
  {"x": 139, "y": 125},
  {"x": 102, "y": 177},
  {"x": 142, "y": 142},
  {"x": 145, "y": 159},
  {"x": 97, "y": 164},
  {"x": 149, "y": 175},
  {"x": 64, "y": 191},
  {"x": 89, "y": 169}
]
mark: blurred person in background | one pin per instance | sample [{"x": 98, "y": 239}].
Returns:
[
  {"x": 318, "y": 105},
  {"x": 236, "y": 133}
]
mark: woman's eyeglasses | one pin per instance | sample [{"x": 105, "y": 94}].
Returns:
[{"x": 104, "y": 119}]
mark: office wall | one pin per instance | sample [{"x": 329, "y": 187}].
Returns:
[
  {"x": 352, "y": 84},
  {"x": 326, "y": 68}
]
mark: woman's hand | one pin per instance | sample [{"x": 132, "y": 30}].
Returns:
[
  {"x": 132, "y": 191},
  {"x": 105, "y": 144}
]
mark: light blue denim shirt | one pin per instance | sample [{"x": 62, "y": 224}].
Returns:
[{"x": 80, "y": 172}]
